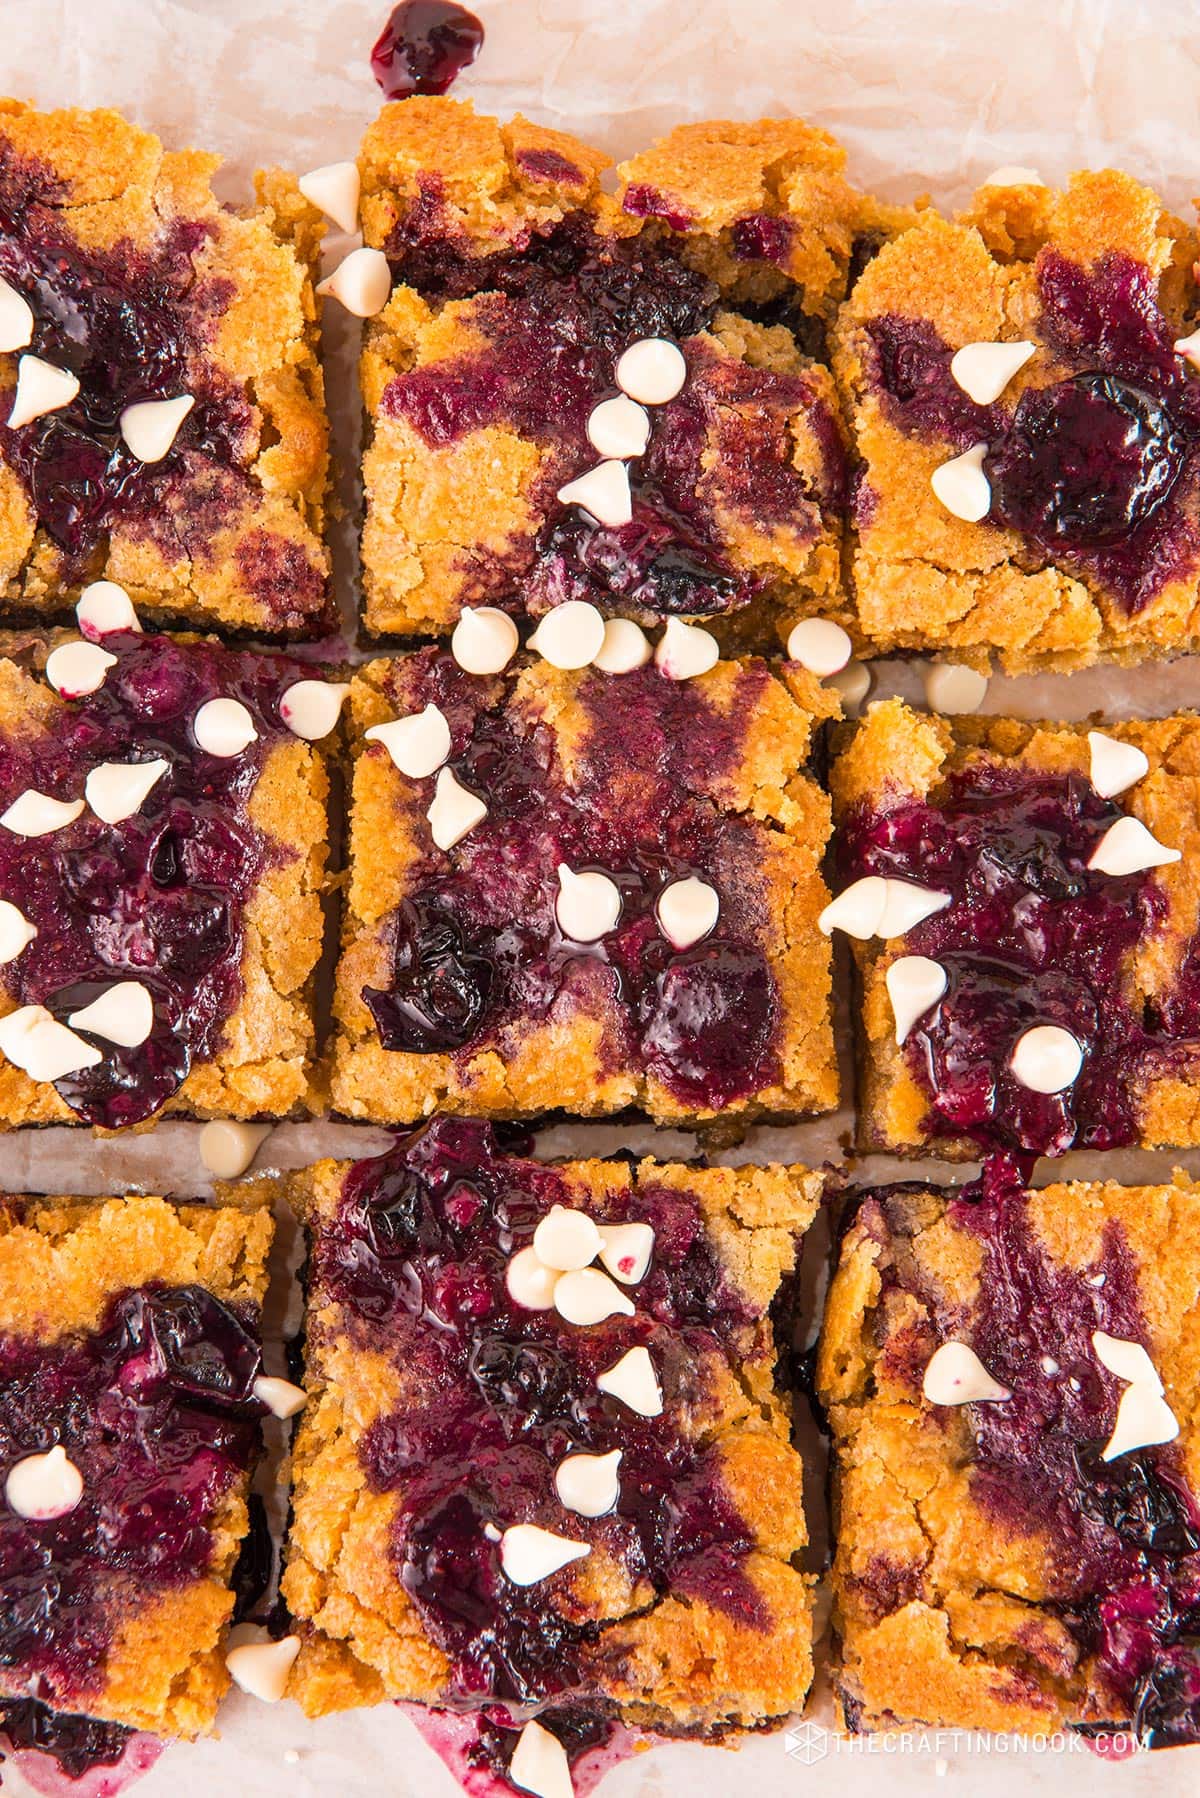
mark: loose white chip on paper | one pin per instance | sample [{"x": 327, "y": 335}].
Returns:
[
  {"x": 961, "y": 485},
  {"x": 281, "y": 1397},
  {"x": 16, "y": 318},
  {"x": 914, "y": 984},
  {"x": 484, "y": 641},
  {"x": 34, "y": 814},
  {"x": 311, "y": 708},
  {"x": 566, "y": 1239},
  {"x": 634, "y": 1381},
  {"x": 262, "y": 1668},
  {"x": 625, "y": 647},
  {"x": 123, "y": 1014},
  {"x": 41, "y": 388},
  {"x": 603, "y": 492},
  {"x": 589, "y": 1297},
  {"x": 151, "y": 426},
  {"x": 104, "y": 607},
  {"x": 116, "y": 790},
  {"x": 224, "y": 727},
  {"x": 1144, "y": 1420},
  {"x": 686, "y": 650},
  {"x": 652, "y": 371},
  {"x": 16, "y": 932},
  {"x": 362, "y": 283},
  {"x": 417, "y": 744},
  {"x": 687, "y": 910},
  {"x": 1127, "y": 1359},
  {"x": 1127, "y": 847},
  {"x": 956, "y": 1376},
  {"x": 1047, "y": 1059},
  {"x": 77, "y": 668},
  {"x": 819, "y": 645},
  {"x": 589, "y": 1484},
  {"x": 530, "y": 1282},
  {"x": 227, "y": 1146},
  {"x": 983, "y": 370},
  {"x": 529, "y": 1554},
  {"x": 569, "y": 636},
  {"x": 954, "y": 689},
  {"x": 619, "y": 427},
  {"x": 34, "y": 1041},
  {"x": 1115, "y": 766},
  {"x": 588, "y": 905},
  {"x": 43, "y": 1487},
  {"x": 625, "y": 1250},
  {"x": 539, "y": 1764},
  {"x": 1013, "y": 175},
  {"x": 454, "y": 812},
  {"x": 334, "y": 190}
]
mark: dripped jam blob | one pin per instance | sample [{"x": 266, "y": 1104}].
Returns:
[{"x": 424, "y": 47}]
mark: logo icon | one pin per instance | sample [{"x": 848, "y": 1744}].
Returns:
[{"x": 808, "y": 1743}]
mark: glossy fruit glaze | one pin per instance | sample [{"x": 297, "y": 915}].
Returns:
[{"x": 424, "y": 47}]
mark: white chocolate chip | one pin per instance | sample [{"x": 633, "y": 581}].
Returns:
[
  {"x": 1013, "y": 175},
  {"x": 334, "y": 189},
  {"x": 819, "y": 645},
  {"x": 853, "y": 682},
  {"x": 954, "y": 689},
  {"x": 914, "y": 984},
  {"x": 1047, "y": 1059},
  {"x": 223, "y": 727},
  {"x": 1144, "y": 1419},
  {"x": 16, "y": 319},
  {"x": 652, "y": 371},
  {"x": 604, "y": 494},
  {"x": 41, "y": 388},
  {"x": 34, "y": 1041},
  {"x": 417, "y": 744},
  {"x": 16, "y": 932},
  {"x": 1049, "y": 1365},
  {"x": 633, "y": 1380},
  {"x": 686, "y": 650},
  {"x": 961, "y": 485},
  {"x": 1188, "y": 347},
  {"x": 1127, "y": 847},
  {"x": 262, "y": 1668},
  {"x": 588, "y": 905},
  {"x": 76, "y": 668},
  {"x": 625, "y": 647},
  {"x": 116, "y": 790},
  {"x": 626, "y": 1250},
  {"x": 983, "y": 370},
  {"x": 1115, "y": 766},
  {"x": 956, "y": 1376},
  {"x": 539, "y": 1764},
  {"x": 42, "y": 1487},
  {"x": 104, "y": 607},
  {"x": 530, "y": 1282},
  {"x": 570, "y": 635},
  {"x": 529, "y": 1554},
  {"x": 907, "y": 904},
  {"x": 857, "y": 909},
  {"x": 485, "y": 640},
  {"x": 589, "y": 1297},
  {"x": 362, "y": 282},
  {"x": 566, "y": 1239},
  {"x": 311, "y": 708},
  {"x": 1128, "y": 1360},
  {"x": 281, "y": 1397},
  {"x": 619, "y": 427},
  {"x": 227, "y": 1147},
  {"x": 35, "y": 814},
  {"x": 123, "y": 1014},
  {"x": 687, "y": 910},
  {"x": 454, "y": 812},
  {"x": 151, "y": 426},
  {"x": 588, "y": 1484}
]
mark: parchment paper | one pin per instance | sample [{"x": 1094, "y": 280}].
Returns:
[{"x": 928, "y": 96}]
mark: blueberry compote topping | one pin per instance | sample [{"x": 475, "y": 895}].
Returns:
[
  {"x": 1031, "y": 937},
  {"x": 1097, "y": 470},
  {"x": 76, "y": 1743},
  {"x": 1125, "y": 1534},
  {"x": 416, "y": 1258},
  {"x": 478, "y": 946},
  {"x": 557, "y": 316},
  {"x": 161, "y": 897},
  {"x": 424, "y": 47},
  {"x": 156, "y": 1411}
]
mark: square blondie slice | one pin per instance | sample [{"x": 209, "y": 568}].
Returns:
[
  {"x": 626, "y": 913},
  {"x": 1029, "y": 976},
  {"x": 1023, "y": 397},
  {"x": 163, "y": 835},
  {"x": 1011, "y": 1380},
  {"x": 520, "y": 285},
  {"x": 129, "y": 1426},
  {"x": 162, "y": 405},
  {"x": 545, "y": 1466}
]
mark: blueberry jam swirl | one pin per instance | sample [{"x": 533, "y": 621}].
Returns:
[
  {"x": 415, "y": 1258},
  {"x": 160, "y": 898},
  {"x": 477, "y": 945},
  {"x": 1031, "y": 937},
  {"x": 1098, "y": 471},
  {"x": 1125, "y": 1534},
  {"x": 721, "y": 456},
  {"x": 155, "y": 1409}
]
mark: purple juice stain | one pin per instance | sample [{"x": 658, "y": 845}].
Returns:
[
  {"x": 424, "y": 48},
  {"x": 477, "y": 944},
  {"x": 161, "y": 897},
  {"x": 416, "y": 1257},
  {"x": 1098, "y": 470},
  {"x": 156, "y": 1410}
]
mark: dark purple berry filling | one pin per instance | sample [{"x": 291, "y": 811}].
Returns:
[
  {"x": 161, "y": 897},
  {"x": 416, "y": 1257},
  {"x": 424, "y": 47},
  {"x": 156, "y": 1410},
  {"x": 478, "y": 945}
]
